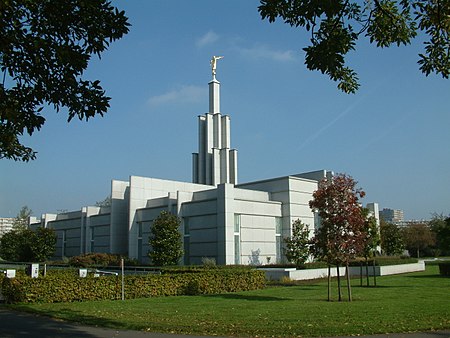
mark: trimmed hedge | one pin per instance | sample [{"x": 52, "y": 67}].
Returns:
[
  {"x": 444, "y": 269},
  {"x": 67, "y": 286}
]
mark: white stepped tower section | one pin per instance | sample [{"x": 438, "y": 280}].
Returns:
[{"x": 215, "y": 162}]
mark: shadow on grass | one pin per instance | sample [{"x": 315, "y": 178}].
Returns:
[
  {"x": 427, "y": 276},
  {"x": 378, "y": 286},
  {"x": 16, "y": 323},
  {"x": 248, "y": 297}
]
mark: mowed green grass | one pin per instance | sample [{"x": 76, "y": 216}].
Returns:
[{"x": 401, "y": 303}]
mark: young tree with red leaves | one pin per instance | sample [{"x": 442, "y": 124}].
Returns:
[{"x": 341, "y": 235}]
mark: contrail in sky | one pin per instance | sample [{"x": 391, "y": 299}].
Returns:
[{"x": 332, "y": 122}]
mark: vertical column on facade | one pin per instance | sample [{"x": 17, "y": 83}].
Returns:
[
  {"x": 224, "y": 165},
  {"x": 233, "y": 166},
  {"x": 225, "y": 122},
  {"x": 120, "y": 193},
  {"x": 201, "y": 148},
  {"x": 214, "y": 96},
  {"x": 183, "y": 197},
  {"x": 225, "y": 224},
  {"x": 208, "y": 148},
  {"x": 83, "y": 229},
  {"x": 225, "y": 148},
  {"x": 195, "y": 168},
  {"x": 216, "y": 160},
  {"x": 217, "y": 141}
]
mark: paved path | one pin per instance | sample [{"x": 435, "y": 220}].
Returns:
[{"x": 21, "y": 324}]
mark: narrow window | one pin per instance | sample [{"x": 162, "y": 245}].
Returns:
[
  {"x": 187, "y": 260},
  {"x": 187, "y": 242},
  {"x": 237, "y": 223},
  {"x": 92, "y": 239},
  {"x": 139, "y": 241},
  {"x": 64, "y": 243},
  {"x": 237, "y": 239},
  {"x": 278, "y": 227}
]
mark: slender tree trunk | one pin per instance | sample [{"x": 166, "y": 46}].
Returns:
[
  {"x": 360, "y": 273},
  {"x": 339, "y": 283},
  {"x": 418, "y": 253},
  {"x": 367, "y": 272},
  {"x": 374, "y": 273},
  {"x": 349, "y": 286},
  {"x": 329, "y": 282}
]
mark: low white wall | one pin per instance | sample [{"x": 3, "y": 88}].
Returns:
[
  {"x": 292, "y": 273},
  {"x": 389, "y": 269},
  {"x": 278, "y": 273}
]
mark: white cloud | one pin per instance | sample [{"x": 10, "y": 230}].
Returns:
[
  {"x": 184, "y": 94},
  {"x": 264, "y": 52},
  {"x": 208, "y": 38}
]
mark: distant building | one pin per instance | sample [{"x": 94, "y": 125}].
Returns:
[
  {"x": 6, "y": 225},
  {"x": 232, "y": 223},
  {"x": 392, "y": 215}
]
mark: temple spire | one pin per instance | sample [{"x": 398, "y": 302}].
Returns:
[
  {"x": 215, "y": 162},
  {"x": 214, "y": 87}
]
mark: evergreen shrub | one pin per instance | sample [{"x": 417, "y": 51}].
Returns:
[
  {"x": 99, "y": 260},
  {"x": 444, "y": 269}
]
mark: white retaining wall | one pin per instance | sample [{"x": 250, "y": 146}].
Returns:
[{"x": 292, "y": 273}]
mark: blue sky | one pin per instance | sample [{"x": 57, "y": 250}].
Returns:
[{"x": 392, "y": 136}]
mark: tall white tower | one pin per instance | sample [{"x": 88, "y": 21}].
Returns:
[{"x": 215, "y": 162}]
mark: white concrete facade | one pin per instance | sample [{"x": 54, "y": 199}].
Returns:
[{"x": 220, "y": 219}]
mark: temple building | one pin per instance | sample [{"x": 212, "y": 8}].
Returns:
[{"x": 231, "y": 222}]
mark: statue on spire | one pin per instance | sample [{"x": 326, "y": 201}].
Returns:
[{"x": 213, "y": 63}]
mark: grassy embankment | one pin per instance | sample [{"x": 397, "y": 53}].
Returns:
[{"x": 400, "y": 303}]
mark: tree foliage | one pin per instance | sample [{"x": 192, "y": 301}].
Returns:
[
  {"x": 21, "y": 220},
  {"x": 104, "y": 203},
  {"x": 391, "y": 239},
  {"x": 371, "y": 241},
  {"x": 341, "y": 235},
  {"x": 342, "y": 218},
  {"x": 371, "y": 235},
  {"x": 44, "y": 245},
  {"x": 45, "y": 46},
  {"x": 335, "y": 26},
  {"x": 26, "y": 245},
  {"x": 165, "y": 240},
  {"x": 440, "y": 225},
  {"x": 297, "y": 246},
  {"x": 418, "y": 237}
]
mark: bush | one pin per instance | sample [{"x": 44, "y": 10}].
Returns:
[
  {"x": 99, "y": 260},
  {"x": 25, "y": 245},
  {"x": 66, "y": 286},
  {"x": 209, "y": 262},
  {"x": 165, "y": 240},
  {"x": 444, "y": 269}
]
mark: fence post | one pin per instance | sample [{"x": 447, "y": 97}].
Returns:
[{"x": 123, "y": 279}]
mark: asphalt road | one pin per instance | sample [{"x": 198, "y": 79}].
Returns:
[{"x": 20, "y": 324}]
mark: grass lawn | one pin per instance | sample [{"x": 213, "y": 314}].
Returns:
[{"x": 400, "y": 303}]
